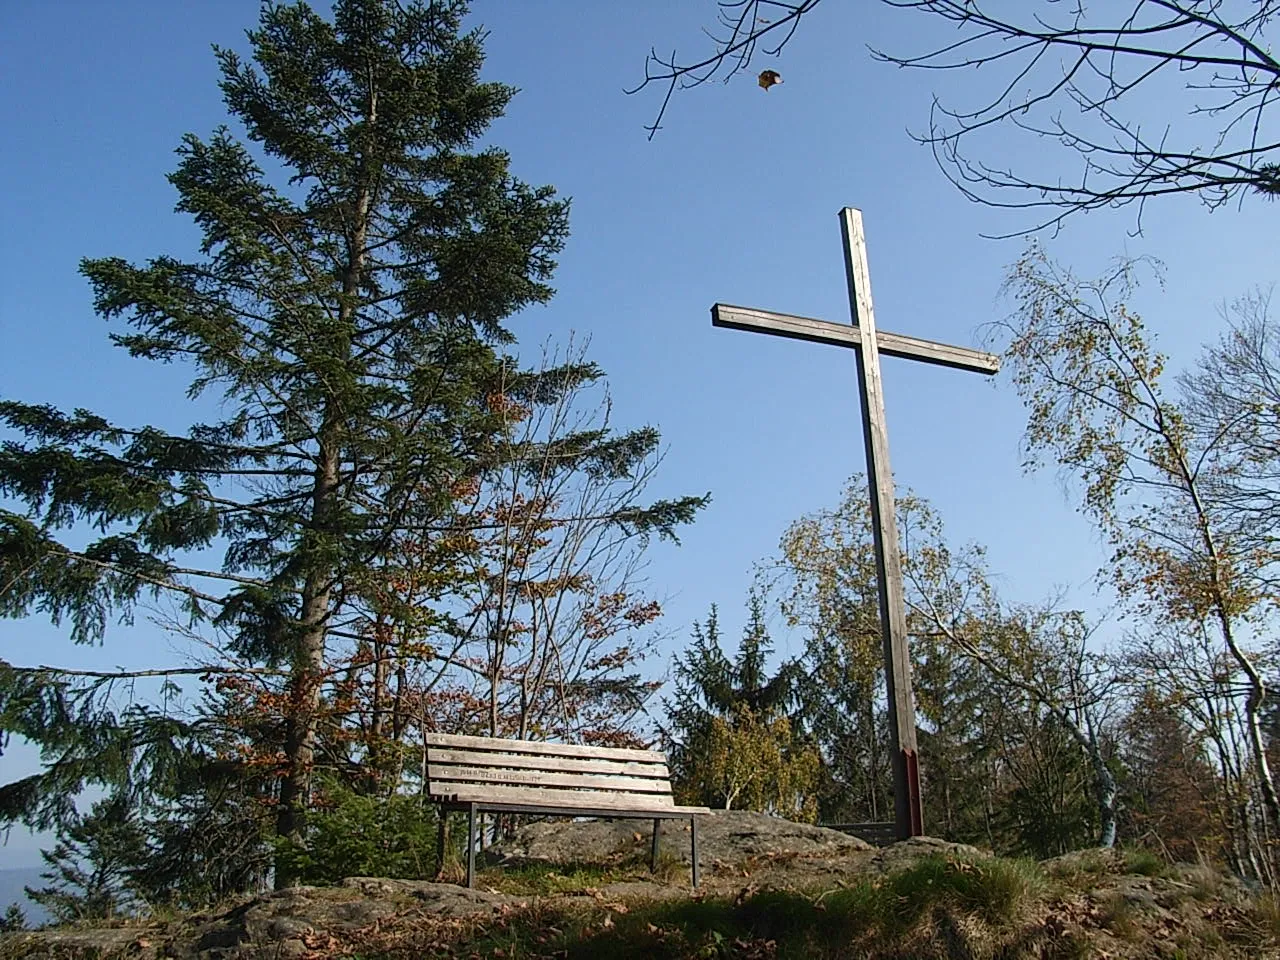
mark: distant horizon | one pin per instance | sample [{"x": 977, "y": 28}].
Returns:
[
  {"x": 25, "y": 853},
  {"x": 12, "y": 882}
]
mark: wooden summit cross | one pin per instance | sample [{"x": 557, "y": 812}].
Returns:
[{"x": 868, "y": 344}]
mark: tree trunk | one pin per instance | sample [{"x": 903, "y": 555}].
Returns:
[
  {"x": 309, "y": 663},
  {"x": 375, "y": 751},
  {"x": 1105, "y": 791},
  {"x": 1220, "y": 593},
  {"x": 1253, "y": 712}
]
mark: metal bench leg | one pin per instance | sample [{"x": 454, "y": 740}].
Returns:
[
  {"x": 693, "y": 848},
  {"x": 471, "y": 846},
  {"x": 653, "y": 856},
  {"x": 441, "y": 839}
]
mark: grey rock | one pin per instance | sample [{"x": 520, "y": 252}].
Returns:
[
  {"x": 900, "y": 854},
  {"x": 444, "y": 899},
  {"x": 728, "y": 836},
  {"x": 55, "y": 944},
  {"x": 286, "y": 928}
]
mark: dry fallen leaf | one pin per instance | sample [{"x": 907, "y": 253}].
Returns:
[{"x": 768, "y": 78}]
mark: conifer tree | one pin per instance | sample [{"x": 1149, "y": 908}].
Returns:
[
  {"x": 89, "y": 867},
  {"x": 13, "y": 920},
  {"x": 1169, "y": 784},
  {"x": 349, "y": 315},
  {"x": 729, "y": 740}
]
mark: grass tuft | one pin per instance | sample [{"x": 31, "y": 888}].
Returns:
[
  {"x": 1206, "y": 883},
  {"x": 1119, "y": 915},
  {"x": 1141, "y": 861},
  {"x": 994, "y": 889},
  {"x": 1266, "y": 913}
]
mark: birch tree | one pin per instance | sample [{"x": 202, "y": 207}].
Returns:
[{"x": 1092, "y": 382}]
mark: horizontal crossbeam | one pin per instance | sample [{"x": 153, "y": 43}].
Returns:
[{"x": 847, "y": 335}]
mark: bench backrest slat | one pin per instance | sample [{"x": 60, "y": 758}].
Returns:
[
  {"x": 480, "y": 769},
  {"x": 476, "y": 758},
  {"x": 537, "y": 778},
  {"x": 543, "y": 748}
]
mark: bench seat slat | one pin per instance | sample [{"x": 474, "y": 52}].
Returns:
[
  {"x": 550, "y": 797},
  {"x": 542, "y": 747},
  {"x": 658, "y": 813},
  {"x": 536, "y": 778},
  {"x": 478, "y": 758}
]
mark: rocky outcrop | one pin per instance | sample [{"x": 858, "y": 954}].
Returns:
[
  {"x": 1093, "y": 902},
  {"x": 725, "y": 836},
  {"x": 900, "y": 854},
  {"x": 284, "y": 924}
]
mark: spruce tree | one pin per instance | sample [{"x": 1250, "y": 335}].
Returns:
[
  {"x": 728, "y": 739},
  {"x": 13, "y": 920},
  {"x": 347, "y": 314},
  {"x": 89, "y": 868}
]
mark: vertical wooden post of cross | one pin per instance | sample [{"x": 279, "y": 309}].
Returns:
[
  {"x": 908, "y": 814},
  {"x": 869, "y": 343}
]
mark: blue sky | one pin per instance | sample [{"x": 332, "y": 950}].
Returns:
[{"x": 735, "y": 200}]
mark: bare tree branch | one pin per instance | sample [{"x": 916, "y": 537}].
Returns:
[
  {"x": 1083, "y": 76},
  {"x": 743, "y": 24}
]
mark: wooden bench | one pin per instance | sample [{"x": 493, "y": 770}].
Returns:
[{"x": 488, "y": 775}]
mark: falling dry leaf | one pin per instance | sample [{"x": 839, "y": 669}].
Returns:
[{"x": 768, "y": 78}]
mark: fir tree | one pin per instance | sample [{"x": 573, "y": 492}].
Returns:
[
  {"x": 347, "y": 321},
  {"x": 350, "y": 318},
  {"x": 13, "y": 920},
  {"x": 89, "y": 868},
  {"x": 729, "y": 741},
  {"x": 710, "y": 683},
  {"x": 1169, "y": 784}
]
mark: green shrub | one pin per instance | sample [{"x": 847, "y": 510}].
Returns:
[{"x": 358, "y": 835}]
